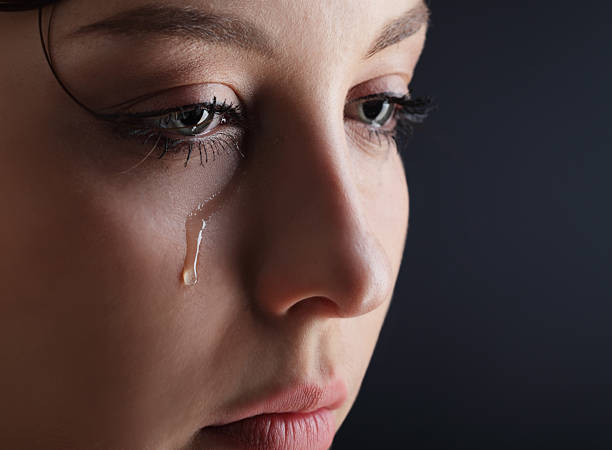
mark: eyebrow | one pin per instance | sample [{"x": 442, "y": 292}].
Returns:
[
  {"x": 184, "y": 21},
  {"x": 193, "y": 23},
  {"x": 401, "y": 28}
]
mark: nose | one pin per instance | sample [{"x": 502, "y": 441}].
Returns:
[{"x": 315, "y": 248}]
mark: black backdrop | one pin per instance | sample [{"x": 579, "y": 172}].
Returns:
[{"x": 499, "y": 335}]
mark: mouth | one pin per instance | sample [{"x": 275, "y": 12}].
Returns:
[{"x": 297, "y": 418}]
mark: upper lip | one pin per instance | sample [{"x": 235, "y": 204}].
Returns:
[{"x": 302, "y": 397}]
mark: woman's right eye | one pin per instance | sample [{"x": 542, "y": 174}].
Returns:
[
  {"x": 190, "y": 123},
  {"x": 210, "y": 128}
]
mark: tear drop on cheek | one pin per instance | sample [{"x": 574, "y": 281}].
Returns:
[
  {"x": 194, "y": 229},
  {"x": 196, "y": 223}
]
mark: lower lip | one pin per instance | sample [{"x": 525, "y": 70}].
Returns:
[{"x": 286, "y": 431}]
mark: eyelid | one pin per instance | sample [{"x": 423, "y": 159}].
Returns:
[
  {"x": 393, "y": 83},
  {"x": 152, "y": 120},
  {"x": 392, "y": 97},
  {"x": 176, "y": 96},
  {"x": 158, "y": 113}
]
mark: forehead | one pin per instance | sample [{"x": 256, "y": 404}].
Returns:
[
  {"x": 335, "y": 24},
  {"x": 310, "y": 45}
]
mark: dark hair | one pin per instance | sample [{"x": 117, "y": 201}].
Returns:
[{"x": 23, "y": 5}]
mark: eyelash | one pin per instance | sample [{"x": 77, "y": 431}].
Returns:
[{"x": 407, "y": 113}]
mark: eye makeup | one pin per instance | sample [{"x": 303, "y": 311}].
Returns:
[{"x": 208, "y": 128}]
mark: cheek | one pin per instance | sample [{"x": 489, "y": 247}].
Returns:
[
  {"x": 388, "y": 208},
  {"x": 91, "y": 275}
]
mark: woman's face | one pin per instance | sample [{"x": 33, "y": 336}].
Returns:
[{"x": 291, "y": 180}]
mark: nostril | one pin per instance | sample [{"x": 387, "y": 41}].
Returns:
[{"x": 316, "y": 306}]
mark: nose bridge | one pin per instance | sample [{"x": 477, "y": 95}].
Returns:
[{"x": 314, "y": 239}]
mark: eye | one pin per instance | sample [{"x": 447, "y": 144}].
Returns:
[
  {"x": 186, "y": 122},
  {"x": 378, "y": 120},
  {"x": 208, "y": 129},
  {"x": 376, "y": 112},
  {"x": 193, "y": 122}
]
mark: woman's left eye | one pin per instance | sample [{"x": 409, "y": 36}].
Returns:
[{"x": 375, "y": 112}]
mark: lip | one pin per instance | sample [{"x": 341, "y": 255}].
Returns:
[{"x": 299, "y": 417}]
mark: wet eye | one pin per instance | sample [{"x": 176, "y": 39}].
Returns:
[{"x": 191, "y": 123}]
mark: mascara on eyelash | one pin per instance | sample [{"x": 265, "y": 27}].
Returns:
[
  {"x": 412, "y": 112},
  {"x": 212, "y": 107},
  {"x": 419, "y": 107}
]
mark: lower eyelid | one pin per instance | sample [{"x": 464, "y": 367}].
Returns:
[
  {"x": 206, "y": 148},
  {"x": 369, "y": 138},
  {"x": 390, "y": 125}
]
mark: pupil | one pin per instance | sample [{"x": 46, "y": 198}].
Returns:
[
  {"x": 192, "y": 118},
  {"x": 372, "y": 109}
]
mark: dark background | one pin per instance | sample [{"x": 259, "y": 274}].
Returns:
[{"x": 499, "y": 335}]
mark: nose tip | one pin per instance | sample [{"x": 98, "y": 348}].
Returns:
[
  {"x": 341, "y": 273},
  {"x": 363, "y": 275}
]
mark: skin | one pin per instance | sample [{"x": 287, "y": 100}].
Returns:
[{"x": 103, "y": 346}]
